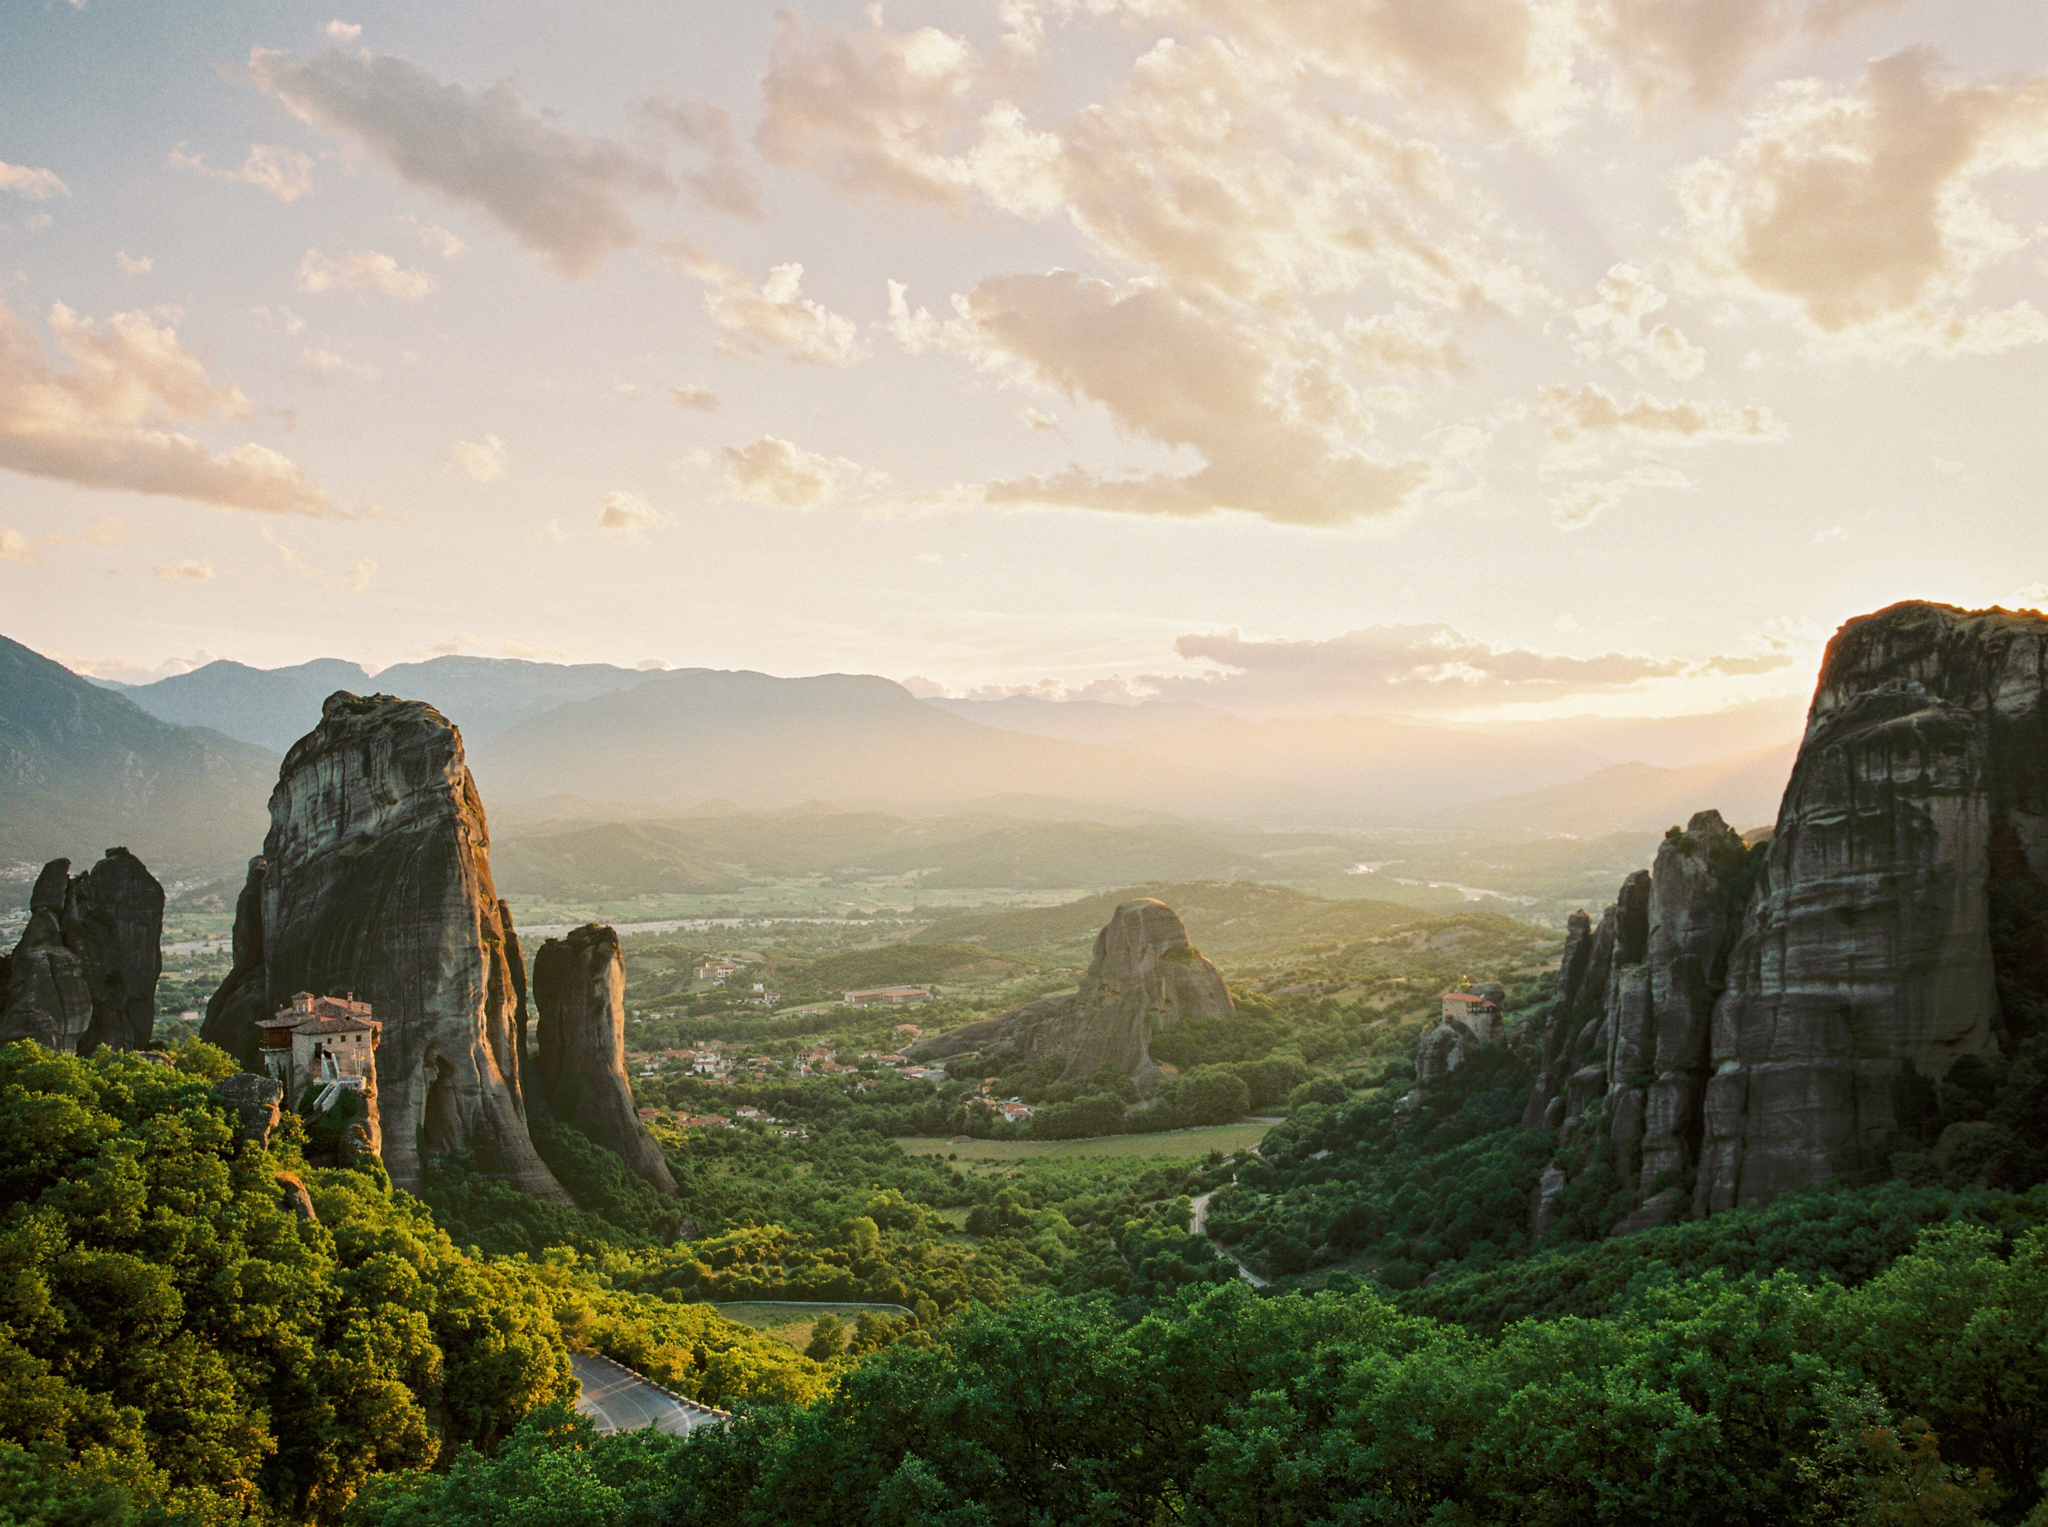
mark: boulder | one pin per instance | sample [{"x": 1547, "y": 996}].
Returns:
[
  {"x": 1920, "y": 791},
  {"x": 255, "y": 1100},
  {"x": 375, "y": 879},
  {"x": 293, "y": 1198},
  {"x": 1144, "y": 976},
  {"x": 579, "y": 987}
]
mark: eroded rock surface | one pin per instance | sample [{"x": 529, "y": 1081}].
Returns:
[
  {"x": 1754, "y": 1019},
  {"x": 375, "y": 879},
  {"x": 1920, "y": 792},
  {"x": 1144, "y": 976},
  {"x": 579, "y": 988},
  {"x": 84, "y": 972}
]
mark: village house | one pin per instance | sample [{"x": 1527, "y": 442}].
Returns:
[
  {"x": 906, "y": 1031},
  {"x": 715, "y": 970},
  {"x": 893, "y": 996}
]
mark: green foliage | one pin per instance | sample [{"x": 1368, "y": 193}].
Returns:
[
  {"x": 164, "y": 1317},
  {"x": 553, "y": 1471},
  {"x": 828, "y": 1339}
]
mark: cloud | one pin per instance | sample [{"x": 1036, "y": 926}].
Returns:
[
  {"x": 1614, "y": 326},
  {"x": 627, "y": 515},
  {"x": 439, "y": 239},
  {"x": 133, "y": 265},
  {"x": 1504, "y": 63},
  {"x": 343, "y": 31},
  {"x": 364, "y": 269},
  {"x": 1576, "y": 505},
  {"x": 562, "y": 194},
  {"x": 32, "y": 184},
  {"x": 1700, "y": 49},
  {"x": 100, "y": 424},
  {"x": 353, "y": 580},
  {"x": 785, "y": 476},
  {"x": 1381, "y": 669},
  {"x": 188, "y": 571},
  {"x": 482, "y": 461},
  {"x": 325, "y": 366},
  {"x": 1403, "y": 340},
  {"x": 724, "y": 184},
  {"x": 1220, "y": 167},
  {"x": 696, "y": 398},
  {"x": 284, "y": 173},
  {"x": 772, "y": 316},
  {"x": 14, "y": 547},
  {"x": 1276, "y": 433},
  {"x": 1039, "y": 420},
  {"x": 1858, "y": 210},
  {"x": 1593, "y": 410}
]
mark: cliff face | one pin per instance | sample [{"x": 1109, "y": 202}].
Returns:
[
  {"x": 376, "y": 879},
  {"x": 1143, "y": 977},
  {"x": 1779, "y": 1015},
  {"x": 579, "y": 987},
  {"x": 1866, "y": 956},
  {"x": 85, "y": 970}
]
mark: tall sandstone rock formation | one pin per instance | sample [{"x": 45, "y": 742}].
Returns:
[
  {"x": 375, "y": 879},
  {"x": 1143, "y": 977},
  {"x": 85, "y": 970},
  {"x": 579, "y": 988},
  {"x": 1750, "y": 1020}
]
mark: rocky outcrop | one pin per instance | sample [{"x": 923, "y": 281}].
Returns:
[
  {"x": 1750, "y": 1019},
  {"x": 1449, "y": 1044},
  {"x": 1144, "y": 976},
  {"x": 85, "y": 970},
  {"x": 375, "y": 879},
  {"x": 256, "y": 1102},
  {"x": 579, "y": 987},
  {"x": 1868, "y": 955}
]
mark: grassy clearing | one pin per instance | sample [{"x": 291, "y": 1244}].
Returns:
[
  {"x": 792, "y": 1322},
  {"x": 1171, "y": 1144}
]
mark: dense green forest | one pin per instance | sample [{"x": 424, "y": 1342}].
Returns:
[{"x": 179, "y": 1345}]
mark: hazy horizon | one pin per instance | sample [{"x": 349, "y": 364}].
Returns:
[{"x": 1521, "y": 359}]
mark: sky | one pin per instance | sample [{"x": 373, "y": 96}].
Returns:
[{"x": 1459, "y": 357}]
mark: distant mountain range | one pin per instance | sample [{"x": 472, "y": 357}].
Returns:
[
  {"x": 602, "y": 773},
  {"x": 83, "y": 769}
]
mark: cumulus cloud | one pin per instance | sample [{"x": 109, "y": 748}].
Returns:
[
  {"x": 1576, "y": 505},
  {"x": 1215, "y": 165},
  {"x": 562, "y": 194},
  {"x": 1700, "y": 49},
  {"x": 1593, "y": 410},
  {"x": 695, "y": 398},
  {"x": 284, "y": 173},
  {"x": 627, "y": 515},
  {"x": 187, "y": 571},
  {"x": 1276, "y": 434},
  {"x": 482, "y": 461},
  {"x": 444, "y": 243},
  {"x": 14, "y": 547},
  {"x": 364, "y": 270},
  {"x": 772, "y": 316},
  {"x": 100, "y": 424},
  {"x": 327, "y": 366},
  {"x": 724, "y": 184},
  {"x": 343, "y": 31},
  {"x": 1859, "y": 210},
  {"x": 785, "y": 476},
  {"x": 1403, "y": 340},
  {"x": 31, "y": 184},
  {"x": 133, "y": 265},
  {"x": 1614, "y": 326}
]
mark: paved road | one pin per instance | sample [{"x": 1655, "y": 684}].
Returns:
[
  {"x": 1201, "y": 1227},
  {"x": 618, "y": 1400}
]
